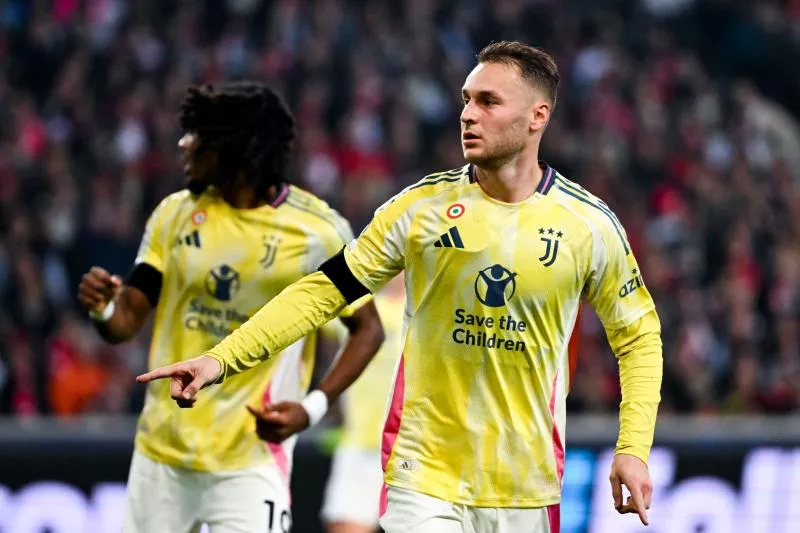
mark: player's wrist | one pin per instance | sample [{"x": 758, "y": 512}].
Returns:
[
  {"x": 316, "y": 405},
  {"x": 104, "y": 314},
  {"x": 216, "y": 370},
  {"x": 623, "y": 455}
]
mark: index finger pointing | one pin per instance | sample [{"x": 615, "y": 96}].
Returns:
[
  {"x": 638, "y": 502},
  {"x": 159, "y": 373}
]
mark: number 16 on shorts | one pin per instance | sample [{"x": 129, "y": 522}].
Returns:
[{"x": 277, "y": 524}]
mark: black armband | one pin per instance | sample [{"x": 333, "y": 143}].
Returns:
[
  {"x": 147, "y": 279},
  {"x": 340, "y": 275}
]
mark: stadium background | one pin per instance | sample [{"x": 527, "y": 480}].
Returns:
[{"x": 681, "y": 114}]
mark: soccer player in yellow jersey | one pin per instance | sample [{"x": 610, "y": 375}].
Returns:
[
  {"x": 498, "y": 255},
  {"x": 211, "y": 256},
  {"x": 352, "y": 496}
]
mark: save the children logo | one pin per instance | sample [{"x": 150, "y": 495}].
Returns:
[{"x": 495, "y": 285}]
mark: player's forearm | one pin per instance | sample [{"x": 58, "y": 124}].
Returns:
[
  {"x": 366, "y": 337},
  {"x": 298, "y": 310},
  {"x": 638, "y": 349},
  {"x": 118, "y": 329},
  {"x": 130, "y": 312}
]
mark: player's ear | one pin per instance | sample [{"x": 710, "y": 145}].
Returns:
[{"x": 540, "y": 114}]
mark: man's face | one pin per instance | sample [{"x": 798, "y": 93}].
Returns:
[
  {"x": 501, "y": 111},
  {"x": 197, "y": 164}
]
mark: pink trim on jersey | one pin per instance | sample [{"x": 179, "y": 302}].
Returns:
[
  {"x": 558, "y": 446},
  {"x": 281, "y": 196},
  {"x": 554, "y": 517},
  {"x": 392, "y": 426},
  {"x": 384, "y": 503},
  {"x": 574, "y": 345},
  {"x": 545, "y": 181},
  {"x": 281, "y": 459}
]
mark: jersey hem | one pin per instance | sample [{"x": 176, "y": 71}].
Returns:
[
  {"x": 522, "y": 503},
  {"x": 160, "y": 458}
]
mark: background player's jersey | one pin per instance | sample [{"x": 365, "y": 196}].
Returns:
[
  {"x": 365, "y": 401},
  {"x": 478, "y": 409},
  {"x": 219, "y": 266}
]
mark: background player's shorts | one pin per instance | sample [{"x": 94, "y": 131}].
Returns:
[
  {"x": 354, "y": 487},
  {"x": 412, "y": 512},
  {"x": 162, "y": 498}
]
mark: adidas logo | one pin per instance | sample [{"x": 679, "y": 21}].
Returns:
[
  {"x": 451, "y": 239},
  {"x": 408, "y": 464},
  {"x": 192, "y": 239}
]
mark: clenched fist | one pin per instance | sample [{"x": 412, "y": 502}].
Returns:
[
  {"x": 97, "y": 288},
  {"x": 276, "y": 423}
]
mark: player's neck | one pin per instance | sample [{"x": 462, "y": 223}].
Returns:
[
  {"x": 246, "y": 198},
  {"x": 514, "y": 181}
]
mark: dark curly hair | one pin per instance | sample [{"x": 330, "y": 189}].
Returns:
[{"x": 249, "y": 126}]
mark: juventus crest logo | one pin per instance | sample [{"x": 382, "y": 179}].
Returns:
[
  {"x": 550, "y": 238},
  {"x": 270, "y": 250}
]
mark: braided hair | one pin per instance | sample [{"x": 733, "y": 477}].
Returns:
[{"x": 248, "y": 125}]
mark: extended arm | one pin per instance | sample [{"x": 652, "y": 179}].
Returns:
[
  {"x": 297, "y": 311},
  {"x": 363, "y": 266}
]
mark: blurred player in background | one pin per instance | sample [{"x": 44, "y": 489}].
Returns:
[
  {"x": 210, "y": 257},
  {"x": 498, "y": 255},
  {"x": 352, "y": 496}
]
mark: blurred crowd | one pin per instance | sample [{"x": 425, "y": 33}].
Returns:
[{"x": 702, "y": 169}]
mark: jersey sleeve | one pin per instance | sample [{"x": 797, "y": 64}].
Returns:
[
  {"x": 638, "y": 349},
  {"x": 615, "y": 287},
  {"x": 153, "y": 245},
  {"x": 330, "y": 240},
  {"x": 298, "y": 310},
  {"x": 378, "y": 254},
  {"x": 616, "y": 291},
  {"x": 331, "y": 236}
]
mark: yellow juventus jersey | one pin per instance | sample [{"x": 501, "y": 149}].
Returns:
[
  {"x": 477, "y": 414},
  {"x": 493, "y": 292},
  {"x": 219, "y": 266},
  {"x": 365, "y": 401}
]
